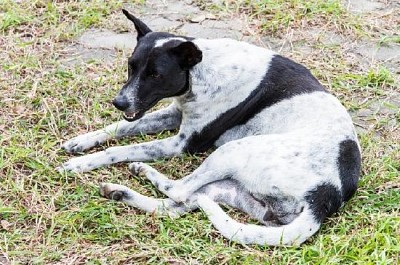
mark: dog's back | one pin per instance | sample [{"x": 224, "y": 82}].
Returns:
[
  {"x": 242, "y": 90},
  {"x": 281, "y": 133}
]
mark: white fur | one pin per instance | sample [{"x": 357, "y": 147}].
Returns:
[
  {"x": 293, "y": 234},
  {"x": 216, "y": 72},
  {"x": 287, "y": 149},
  {"x": 161, "y": 42}
]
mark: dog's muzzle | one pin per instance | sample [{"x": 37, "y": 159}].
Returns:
[
  {"x": 121, "y": 103},
  {"x": 132, "y": 116}
]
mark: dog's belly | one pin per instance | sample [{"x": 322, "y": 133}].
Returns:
[
  {"x": 282, "y": 164},
  {"x": 289, "y": 147}
]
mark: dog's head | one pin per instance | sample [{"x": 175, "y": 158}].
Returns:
[{"x": 158, "y": 68}]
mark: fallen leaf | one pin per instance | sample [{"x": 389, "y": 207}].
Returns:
[{"x": 5, "y": 225}]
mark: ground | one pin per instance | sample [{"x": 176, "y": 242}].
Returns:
[{"x": 63, "y": 61}]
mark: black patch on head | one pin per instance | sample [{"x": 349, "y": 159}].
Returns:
[
  {"x": 349, "y": 163},
  {"x": 188, "y": 54},
  {"x": 154, "y": 73},
  {"x": 324, "y": 200},
  {"x": 283, "y": 80}
]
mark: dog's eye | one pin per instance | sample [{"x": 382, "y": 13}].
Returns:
[{"x": 155, "y": 75}]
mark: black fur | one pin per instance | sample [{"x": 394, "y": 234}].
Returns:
[
  {"x": 283, "y": 80},
  {"x": 140, "y": 27},
  {"x": 151, "y": 68},
  {"x": 349, "y": 163},
  {"x": 324, "y": 200}
]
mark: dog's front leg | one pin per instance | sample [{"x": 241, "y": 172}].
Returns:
[
  {"x": 168, "y": 118},
  {"x": 138, "y": 152}
]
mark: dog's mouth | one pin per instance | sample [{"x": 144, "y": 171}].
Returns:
[{"x": 133, "y": 115}]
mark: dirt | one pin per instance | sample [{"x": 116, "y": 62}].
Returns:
[
  {"x": 183, "y": 17},
  {"x": 361, "y": 6},
  {"x": 389, "y": 54}
]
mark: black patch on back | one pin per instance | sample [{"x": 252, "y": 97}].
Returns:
[
  {"x": 349, "y": 163},
  {"x": 324, "y": 200},
  {"x": 283, "y": 80}
]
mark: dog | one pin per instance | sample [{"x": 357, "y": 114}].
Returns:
[{"x": 287, "y": 152}]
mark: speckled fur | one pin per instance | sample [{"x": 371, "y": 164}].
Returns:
[{"x": 287, "y": 151}]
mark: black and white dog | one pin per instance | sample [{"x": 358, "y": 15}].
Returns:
[{"x": 287, "y": 151}]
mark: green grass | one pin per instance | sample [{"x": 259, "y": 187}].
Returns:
[
  {"x": 389, "y": 39},
  {"x": 52, "y": 218},
  {"x": 276, "y": 17}
]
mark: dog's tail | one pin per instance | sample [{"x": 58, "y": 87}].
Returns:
[{"x": 294, "y": 233}]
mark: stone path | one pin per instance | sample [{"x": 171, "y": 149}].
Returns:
[
  {"x": 184, "y": 17},
  {"x": 181, "y": 17}
]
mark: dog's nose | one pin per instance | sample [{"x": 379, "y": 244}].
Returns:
[{"x": 120, "y": 103}]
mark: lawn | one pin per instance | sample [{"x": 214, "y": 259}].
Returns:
[{"x": 52, "y": 218}]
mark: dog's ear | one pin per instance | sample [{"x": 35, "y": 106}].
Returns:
[
  {"x": 188, "y": 54},
  {"x": 141, "y": 28}
]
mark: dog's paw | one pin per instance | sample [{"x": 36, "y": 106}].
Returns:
[
  {"x": 84, "y": 163},
  {"x": 137, "y": 168},
  {"x": 112, "y": 191},
  {"x": 70, "y": 166},
  {"x": 84, "y": 142}
]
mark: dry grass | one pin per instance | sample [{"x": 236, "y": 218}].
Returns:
[{"x": 48, "y": 218}]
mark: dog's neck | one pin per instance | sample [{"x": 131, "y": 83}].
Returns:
[
  {"x": 229, "y": 69},
  {"x": 226, "y": 76}
]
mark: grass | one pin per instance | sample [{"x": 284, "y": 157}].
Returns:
[
  {"x": 52, "y": 218},
  {"x": 389, "y": 39},
  {"x": 273, "y": 17}
]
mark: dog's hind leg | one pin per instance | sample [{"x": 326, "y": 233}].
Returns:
[
  {"x": 180, "y": 190},
  {"x": 156, "y": 178},
  {"x": 177, "y": 190},
  {"x": 229, "y": 192},
  {"x": 168, "y": 118},
  {"x": 132, "y": 198},
  {"x": 225, "y": 191}
]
